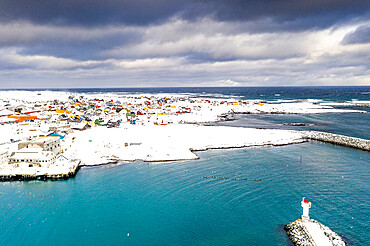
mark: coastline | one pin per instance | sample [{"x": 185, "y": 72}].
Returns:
[
  {"x": 170, "y": 143},
  {"x": 159, "y": 128}
]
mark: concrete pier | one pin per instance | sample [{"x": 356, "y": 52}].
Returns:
[
  {"x": 352, "y": 142},
  {"x": 57, "y": 173}
]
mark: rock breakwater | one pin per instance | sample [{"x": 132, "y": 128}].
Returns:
[
  {"x": 300, "y": 235},
  {"x": 338, "y": 139}
]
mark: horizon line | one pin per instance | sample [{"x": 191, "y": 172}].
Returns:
[{"x": 168, "y": 87}]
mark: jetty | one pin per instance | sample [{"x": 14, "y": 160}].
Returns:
[
  {"x": 309, "y": 232},
  {"x": 312, "y": 233},
  {"x": 60, "y": 171},
  {"x": 352, "y": 142}
]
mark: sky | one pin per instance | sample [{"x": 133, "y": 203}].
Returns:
[{"x": 177, "y": 43}]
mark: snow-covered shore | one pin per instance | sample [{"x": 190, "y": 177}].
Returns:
[
  {"x": 166, "y": 143},
  {"x": 148, "y": 127}
]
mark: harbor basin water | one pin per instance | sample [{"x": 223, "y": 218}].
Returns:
[{"x": 171, "y": 204}]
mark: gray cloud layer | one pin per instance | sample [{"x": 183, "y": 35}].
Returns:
[
  {"x": 360, "y": 36},
  {"x": 183, "y": 43},
  {"x": 145, "y": 12}
]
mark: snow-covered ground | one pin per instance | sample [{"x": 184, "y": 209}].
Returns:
[
  {"x": 348, "y": 104},
  {"x": 164, "y": 143}
]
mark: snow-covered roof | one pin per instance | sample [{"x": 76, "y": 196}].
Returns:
[
  {"x": 6, "y": 112},
  {"x": 6, "y": 119},
  {"x": 31, "y": 154}
]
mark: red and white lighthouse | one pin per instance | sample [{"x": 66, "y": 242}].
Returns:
[{"x": 306, "y": 205}]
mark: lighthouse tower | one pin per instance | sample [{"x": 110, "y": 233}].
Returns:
[{"x": 306, "y": 205}]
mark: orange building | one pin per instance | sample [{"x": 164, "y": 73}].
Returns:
[{"x": 22, "y": 117}]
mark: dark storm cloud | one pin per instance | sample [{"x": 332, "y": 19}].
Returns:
[
  {"x": 89, "y": 12},
  {"x": 144, "y": 12},
  {"x": 80, "y": 49},
  {"x": 360, "y": 36},
  {"x": 285, "y": 10}
]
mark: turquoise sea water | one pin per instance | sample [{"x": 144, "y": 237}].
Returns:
[{"x": 170, "y": 204}]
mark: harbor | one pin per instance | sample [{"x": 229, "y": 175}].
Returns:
[
  {"x": 159, "y": 195},
  {"x": 189, "y": 172},
  {"x": 186, "y": 123}
]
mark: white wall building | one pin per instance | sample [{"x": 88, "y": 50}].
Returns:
[
  {"x": 33, "y": 156},
  {"x": 45, "y": 143},
  {"x": 3, "y": 157}
]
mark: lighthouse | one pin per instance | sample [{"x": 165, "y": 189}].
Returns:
[{"x": 306, "y": 205}]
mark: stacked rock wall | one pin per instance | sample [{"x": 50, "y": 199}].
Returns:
[
  {"x": 338, "y": 139},
  {"x": 298, "y": 234}
]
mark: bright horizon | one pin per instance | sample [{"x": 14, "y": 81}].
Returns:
[{"x": 169, "y": 87}]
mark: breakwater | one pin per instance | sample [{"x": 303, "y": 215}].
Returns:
[
  {"x": 26, "y": 177},
  {"x": 300, "y": 235},
  {"x": 338, "y": 139}
]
